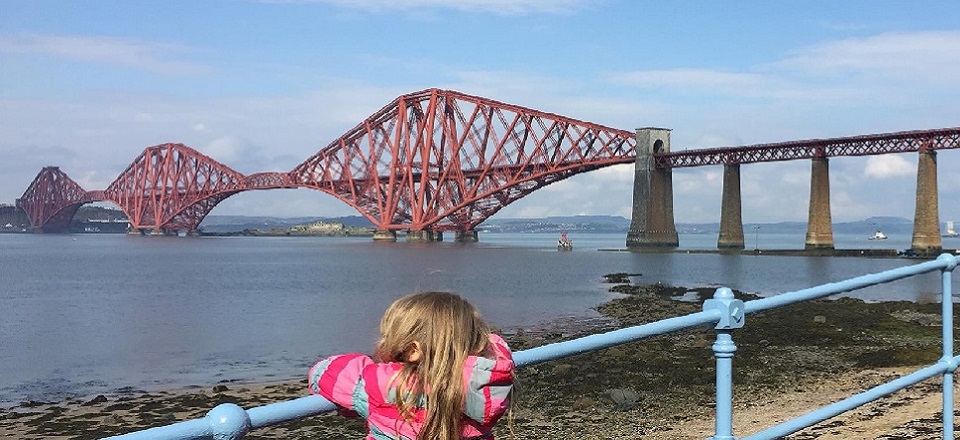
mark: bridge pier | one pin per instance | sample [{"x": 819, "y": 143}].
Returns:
[
  {"x": 467, "y": 236},
  {"x": 926, "y": 217},
  {"x": 385, "y": 235},
  {"x": 731, "y": 221},
  {"x": 424, "y": 236},
  {"x": 652, "y": 225},
  {"x": 819, "y": 226}
]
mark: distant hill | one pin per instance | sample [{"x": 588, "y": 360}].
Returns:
[
  {"x": 582, "y": 223},
  {"x": 576, "y": 223}
]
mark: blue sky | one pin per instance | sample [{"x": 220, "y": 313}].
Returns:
[{"x": 262, "y": 85}]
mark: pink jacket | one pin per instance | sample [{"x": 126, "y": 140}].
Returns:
[{"x": 356, "y": 383}]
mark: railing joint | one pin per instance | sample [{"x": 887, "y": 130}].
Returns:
[
  {"x": 949, "y": 261},
  {"x": 950, "y": 364},
  {"x": 228, "y": 421},
  {"x": 732, "y": 310}
]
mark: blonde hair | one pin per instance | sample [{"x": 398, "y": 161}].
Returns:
[{"x": 448, "y": 329}]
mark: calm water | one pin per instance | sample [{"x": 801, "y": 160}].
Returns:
[{"x": 89, "y": 314}]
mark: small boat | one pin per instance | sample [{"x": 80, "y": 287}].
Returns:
[
  {"x": 564, "y": 244},
  {"x": 950, "y": 232},
  {"x": 879, "y": 235}
]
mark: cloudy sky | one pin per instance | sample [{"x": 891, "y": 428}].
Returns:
[{"x": 262, "y": 85}]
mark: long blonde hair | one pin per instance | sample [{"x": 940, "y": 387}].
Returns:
[{"x": 447, "y": 329}]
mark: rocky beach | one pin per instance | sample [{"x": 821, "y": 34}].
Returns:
[{"x": 788, "y": 362}]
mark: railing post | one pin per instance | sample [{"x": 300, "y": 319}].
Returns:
[
  {"x": 731, "y": 317},
  {"x": 946, "y": 300}
]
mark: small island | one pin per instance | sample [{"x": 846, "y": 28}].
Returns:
[{"x": 315, "y": 229}]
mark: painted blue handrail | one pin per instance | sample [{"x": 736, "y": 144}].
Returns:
[{"x": 725, "y": 313}]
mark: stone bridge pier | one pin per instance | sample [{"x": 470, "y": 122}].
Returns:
[
  {"x": 652, "y": 225},
  {"x": 731, "y": 221},
  {"x": 819, "y": 222},
  {"x": 926, "y": 215}
]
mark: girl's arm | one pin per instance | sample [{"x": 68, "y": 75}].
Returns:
[
  {"x": 488, "y": 383},
  {"x": 336, "y": 378}
]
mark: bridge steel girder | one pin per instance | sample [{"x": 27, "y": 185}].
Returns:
[
  {"x": 172, "y": 187},
  {"x": 866, "y": 145},
  {"x": 445, "y": 161}
]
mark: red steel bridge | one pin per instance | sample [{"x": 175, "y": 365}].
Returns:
[{"x": 435, "y": 160}]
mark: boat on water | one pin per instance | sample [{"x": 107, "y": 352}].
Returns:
[
  {"x": 564, "y": 244},
  {"x": 950, "y": 232},
  {"x": 879, "y": 235}
]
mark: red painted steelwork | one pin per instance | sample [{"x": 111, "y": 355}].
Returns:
[
  {"x": 52, "y": 199},
  {"x": 431, "y": 160},
  {"x": 443, "y": 160},
  {"x": 268, "y": 180},
  {"x": 172, "y": 187},
  {"x": 900, "y": 142}
]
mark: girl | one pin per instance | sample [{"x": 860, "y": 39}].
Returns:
[{"x": 437, "y": 373}]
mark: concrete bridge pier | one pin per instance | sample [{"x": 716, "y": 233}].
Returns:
[
  {"x": 424, "y": 236},
  {"x": 731, "y": 221},
  {"x": 467, "y": 236},
  {"x": 926, "y": 217},
  {"x": 652, "y": 226},
  {"x": 819, "y": 226},
  {"x": 385, "y": 235}
]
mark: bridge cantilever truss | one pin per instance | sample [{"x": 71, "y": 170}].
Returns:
[
  {"x": 444, "y": 160},
  {"x": 431, "y": 160}
]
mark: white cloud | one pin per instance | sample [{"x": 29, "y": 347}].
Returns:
[
  {"x": 933, "y": 56},
  {"x": 151, "y": 57},
  {"x": 702, "y": 79},
  {"x": 884, "y": 68},
  {"x": 887, "y": 166},
  {"x": 224, "y": 149}
]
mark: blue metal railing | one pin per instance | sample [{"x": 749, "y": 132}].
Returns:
[{"x": 725, "y": 313}]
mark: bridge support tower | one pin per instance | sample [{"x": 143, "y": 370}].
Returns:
[
  {"x": 926, "y": 217},
  {"x": 385, "y": 235},
  {"x": 467, "y": 236},
  {"x": 652, "y": 226},
  {"x": 819, "y": 226},
  {"x": 731, "y": 221},
  {"x": 424, "y": 236}
]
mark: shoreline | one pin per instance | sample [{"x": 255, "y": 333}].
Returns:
[{"x": 787, "y": 363}]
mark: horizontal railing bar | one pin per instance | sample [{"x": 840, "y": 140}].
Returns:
[
  {"x": 851, "y": 284},
  {"x": 837, "y": 408},
  {"x": 196, "y": 429},
  {"x": 599, "y": 341},
  {"x": 274, "y": 413}
]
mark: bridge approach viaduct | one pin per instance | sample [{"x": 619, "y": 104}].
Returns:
[{"x": 653, "y": 224}]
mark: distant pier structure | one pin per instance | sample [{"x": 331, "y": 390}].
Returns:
[{"x": 653, "y": 226}]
